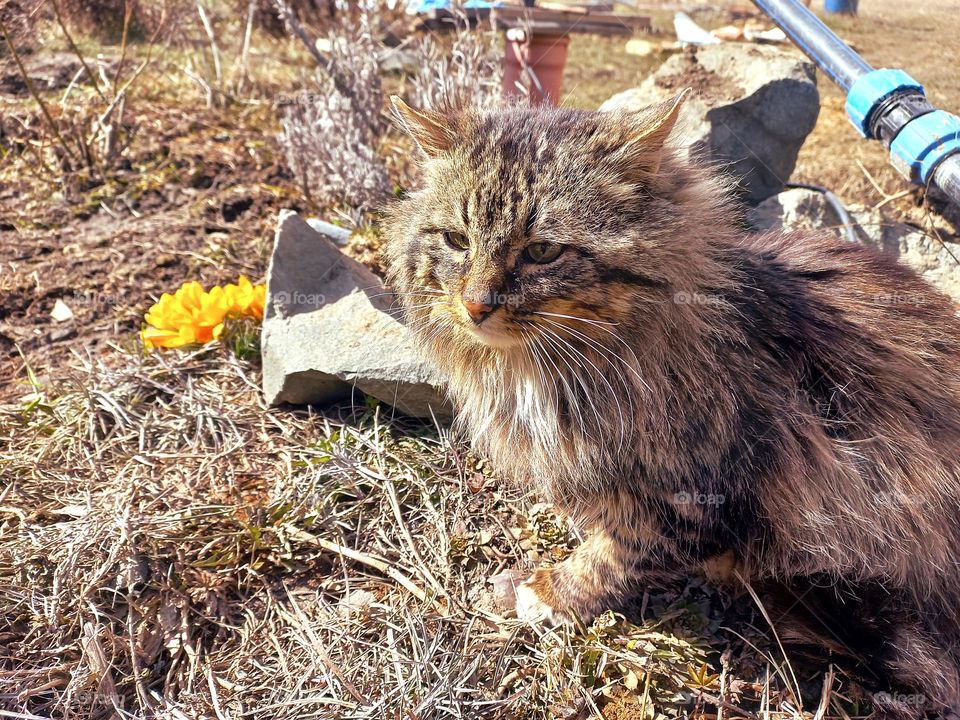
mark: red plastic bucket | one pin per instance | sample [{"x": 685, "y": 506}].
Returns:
[{"x": 536, "y": 61}]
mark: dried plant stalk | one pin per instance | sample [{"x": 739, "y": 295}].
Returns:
[{"x": 331, "y": 136}]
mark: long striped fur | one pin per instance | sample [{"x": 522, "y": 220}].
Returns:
[{"x": 688, "y": 390}]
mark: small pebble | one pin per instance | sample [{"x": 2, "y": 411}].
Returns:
[{"x": 504, "y": 587}]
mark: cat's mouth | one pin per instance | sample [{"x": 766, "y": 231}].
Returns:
[{"x": 494, "y": 332}]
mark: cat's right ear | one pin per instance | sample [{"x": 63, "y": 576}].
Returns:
[{"x": 432, "y": 131}]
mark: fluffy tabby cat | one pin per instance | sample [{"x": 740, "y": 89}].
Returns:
[{"x": 690, "y": 391}]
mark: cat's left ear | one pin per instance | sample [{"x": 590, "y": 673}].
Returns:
[
  {"x": 433, "y": 131},
  {"x": 648, "y": 133}
]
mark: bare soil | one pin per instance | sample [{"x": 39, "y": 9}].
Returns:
[{"x": 198, "y": 201}]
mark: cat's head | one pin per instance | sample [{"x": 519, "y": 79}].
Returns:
[{"x": 530, "y": 219}]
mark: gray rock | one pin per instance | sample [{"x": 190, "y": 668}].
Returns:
[
  {"x": 796, "y": 209},
  {"x": 328, "y": 328},
  {"x": 751, "y": 109},
  {"x": 807, "y": 209}
]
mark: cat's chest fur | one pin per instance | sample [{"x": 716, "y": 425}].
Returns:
[
  {"x": 561, "y": 430},
  {"x": 517, "y": 412}
]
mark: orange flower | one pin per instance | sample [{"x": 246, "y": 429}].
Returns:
[
  {"x": 194, "y": 316},
  {"x": 246, "y": 299}
]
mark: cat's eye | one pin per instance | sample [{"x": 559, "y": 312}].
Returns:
[
  {"x": 458, "y": 241},
  {"x": 542, "y": 252}
]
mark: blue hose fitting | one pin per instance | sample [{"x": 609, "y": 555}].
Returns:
[
  {"x": 923, "y": 143},
  {"x": 889, "y": 105},
  {"x": 870, "y": 90}
]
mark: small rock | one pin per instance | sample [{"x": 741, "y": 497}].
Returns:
[
  {"x": 807, "y": 209},
  {"x": 688, "y": 32},
  {"x": 795, "y": 209},
  {"x": 936, "y": 261},
  {"x": 341, "y": 236},
  {"x": 752, "y": 108},
  {"x": 505, "y": 587},
  {"x": 61, "y": 334},
  {"x": 639, "y": 46},
  {"x": 400, "y": 60},
  {"x": 328, "y": 328},
  {"x": 356, "y": 602},
  {"x": 728, "y": 33},
  {"x": 770, "y": 35},
  {"x": 61, "y": 311}
]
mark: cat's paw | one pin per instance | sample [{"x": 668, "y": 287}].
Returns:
[
  {"x": 537, "y": 603},
  {"x": 531, "y": 608}
]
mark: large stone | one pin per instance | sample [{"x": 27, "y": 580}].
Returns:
[
  {"x": 808, "y": 209},
  {"x": 329, "y": 328},
  {"x": 795, "y": 209},
  {"x": 751, "y": 109}
]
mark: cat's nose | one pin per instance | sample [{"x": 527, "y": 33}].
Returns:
[{"x": 477, "y": 310}]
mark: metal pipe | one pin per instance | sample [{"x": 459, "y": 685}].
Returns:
[
  {"x": 832, "y": 55},
  {"x": 947, "y": 177}
]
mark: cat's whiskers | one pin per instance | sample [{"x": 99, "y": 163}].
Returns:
[
  {"x": 543, "y": 359},
  {"x": 612, "y": 364},
  {"x": 428, "y": 330},
  {"x": 423, "y": 306},
  {"x": 399, "y": 298},
  {"x": 570, "y": 354},
  {"x": 600, "y": 325},
  {"x": 409, "y": 293},
  {"x": 591, "y": 321},
  {"x": 538, "y": 388},
  {"x": 614, "y": 397},
  {"x": 536, "y": 364},
  {"x": 572, "y": 398},
  {"x": 608, "y": 354}
]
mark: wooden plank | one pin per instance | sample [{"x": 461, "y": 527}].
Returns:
[
  {"x": 542, "y": 20},
  {"x": 511, "y": 13},
  {"x": 595, "y": 7}
]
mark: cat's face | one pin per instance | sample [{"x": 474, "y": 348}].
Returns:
[{"x": 528, "y": 225}]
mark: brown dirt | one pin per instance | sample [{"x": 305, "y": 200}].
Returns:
[
  {"x": 197, "y": 202},
  {"x": 703, "y": 82},
  {"x": 621, "y": 709}
]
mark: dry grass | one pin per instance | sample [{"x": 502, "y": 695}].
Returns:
[{"x": 171, "y": 548}]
